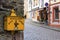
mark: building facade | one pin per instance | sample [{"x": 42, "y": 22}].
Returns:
[
  {"x": 36, "y": 8},
  {"x": 54, "y": 15},
  {"x": 30, "y": 9},
  {"x": 26, "y": 8},
  {"x": 33, "y": 9}
]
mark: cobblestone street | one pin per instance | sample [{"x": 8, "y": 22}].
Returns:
[{"x": 35, "y": 32}]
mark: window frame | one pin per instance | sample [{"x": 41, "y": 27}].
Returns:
[
  {"x": 54, "y": 0},
  {"x": 54, "y": 19}
]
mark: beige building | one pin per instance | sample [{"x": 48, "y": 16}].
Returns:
[
  {"x": 26, "y": 8},
  {"x": 31, "y": 9},
  {"x": 35, "y": 10}
]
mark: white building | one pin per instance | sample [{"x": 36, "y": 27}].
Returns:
[
  {"x": 42, "y": 3},
  {"x": 33, "y": 7}
]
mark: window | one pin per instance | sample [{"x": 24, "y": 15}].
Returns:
[
  {"x": 54, "y": 0},
  {"x": 56, "y": 13},
  {"x": 35, "y": 2},
  {"x": 30, "y": 3},
  {"x": 42, "y": 3}
]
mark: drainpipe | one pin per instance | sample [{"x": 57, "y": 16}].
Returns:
[
  {"x": 49, "y": 13},
  {"x": 31, "y": 6}
]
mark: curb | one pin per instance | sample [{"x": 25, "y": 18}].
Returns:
[
  {"x": 49, "y": 27},
  {"x": 44, "y": 26}
]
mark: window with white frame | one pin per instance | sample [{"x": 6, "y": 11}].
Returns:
[
  {"x": 30, "y": 3},
  {"x": 42, "y": 3},
  {"x": 54, "y": 0},
  {"x": 35, "y": 2}
]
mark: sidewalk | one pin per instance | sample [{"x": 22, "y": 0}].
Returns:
[{"x": 42, "y": 25}]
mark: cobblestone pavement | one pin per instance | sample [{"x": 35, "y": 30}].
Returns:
[{"x": 34, "y": 32}]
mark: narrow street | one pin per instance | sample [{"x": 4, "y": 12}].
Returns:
[{"x": 34, "y": 32}]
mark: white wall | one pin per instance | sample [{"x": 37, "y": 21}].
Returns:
[
  {"x": 33, "y": 7},
  {"x": 29, "y": 5},
  {"x": 43, "y": 3},
  {"x": 53, "y": 2},
  {"x": 25, "y": 6}
]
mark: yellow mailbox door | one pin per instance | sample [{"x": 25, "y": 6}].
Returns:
[
  {"x": 14, "y": 23},
  {"x": 20, "y": 23}
]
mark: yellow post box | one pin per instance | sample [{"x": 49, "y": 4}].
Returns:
[{"x": 13, "y": 22}]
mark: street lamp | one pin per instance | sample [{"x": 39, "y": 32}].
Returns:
[{"x": 46, "y": 4}]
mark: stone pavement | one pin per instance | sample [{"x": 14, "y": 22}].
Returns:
[
  {"x": 33, "y": 31},
  {"x": 42, "y": 25}
]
